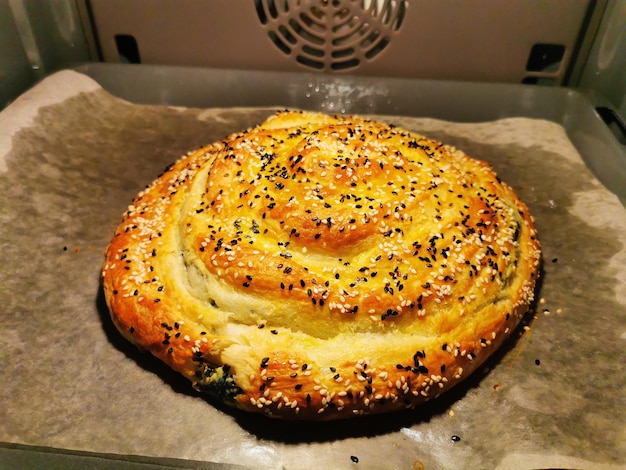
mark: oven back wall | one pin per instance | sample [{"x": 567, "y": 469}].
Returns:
[{"x": 477, "y": 40}]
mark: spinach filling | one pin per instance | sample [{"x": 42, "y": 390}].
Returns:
[{"x": 217, "y": 383}]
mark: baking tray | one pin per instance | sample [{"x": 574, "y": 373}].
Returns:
[
  {"x": 76, "y": 148},
  {"x": 439, "y": 99}
]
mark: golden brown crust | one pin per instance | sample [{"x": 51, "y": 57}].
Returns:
[{"x": 320, "y": 267}]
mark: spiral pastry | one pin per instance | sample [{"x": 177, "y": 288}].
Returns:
[{"x": 321, "y": 267}]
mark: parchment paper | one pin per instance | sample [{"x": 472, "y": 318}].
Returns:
[{"x": 71, "y": 159}]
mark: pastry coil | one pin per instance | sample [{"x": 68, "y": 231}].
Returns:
[{"x": 320, "y": 267}]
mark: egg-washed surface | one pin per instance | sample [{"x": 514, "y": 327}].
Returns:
[
  {"x": 321, "y": 267},
  {"x": 71, "y": 382}
]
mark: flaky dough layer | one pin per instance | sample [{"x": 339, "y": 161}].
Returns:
[{"x": 321, "y": 267}]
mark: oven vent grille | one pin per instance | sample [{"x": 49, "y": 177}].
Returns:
[{"x": 331, "y": 35}]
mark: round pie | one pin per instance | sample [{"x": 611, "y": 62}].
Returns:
[{"x": 320, "y": 267}]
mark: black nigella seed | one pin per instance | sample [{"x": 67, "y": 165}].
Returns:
[
  {"x": 455, "y": 438},
  {"x": 354, "y": 458},
  {"x": 537, "y": 361}
]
